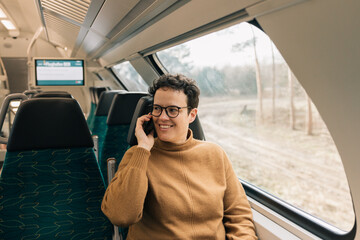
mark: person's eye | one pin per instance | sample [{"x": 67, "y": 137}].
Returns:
[
  {"x": 156, "y": 108},
  {"x": 172, "y": 110}
]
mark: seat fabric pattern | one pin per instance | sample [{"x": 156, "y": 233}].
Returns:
[
  {"x": 42, "y": 196},
  {"x": 115, "y": 145}
]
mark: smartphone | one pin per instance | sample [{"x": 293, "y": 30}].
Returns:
[{"x": 148, "y": 127}]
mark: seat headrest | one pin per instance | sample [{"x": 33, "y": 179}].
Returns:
[
  {"x": 123, "y": 107},
  {"x": 49, "y": 123},
  {"x": 197, "y": 130},
  {"x": 105, "y": 101},
  {"x": 144, "y": 107},
  {"x": 47, "y": 94},
  {"x": 95, "y": 93}
]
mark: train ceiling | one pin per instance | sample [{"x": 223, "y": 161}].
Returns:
[{"x": 102, "y": 28}]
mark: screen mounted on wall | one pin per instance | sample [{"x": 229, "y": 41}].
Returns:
[{"x": 59, "y": 72}]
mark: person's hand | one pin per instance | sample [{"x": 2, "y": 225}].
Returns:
[{"x": 144, "y": 141}]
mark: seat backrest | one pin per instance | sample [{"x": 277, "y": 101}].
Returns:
[
  {"x": 105, "y": 101},
  {"x": 49, "y": 123},
  {"x": 47, "y": 94},
  {"x": 118, "y": 121},
  {"x": 95, "y": 93},
  {"x": 50, "y": 185},
  {"x": 143, "y": 107},
  {"x": 98, "y": 124},
  {"x": 123, "y": 107}
]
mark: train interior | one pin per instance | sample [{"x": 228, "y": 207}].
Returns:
[{"x": 279, "y": 92}]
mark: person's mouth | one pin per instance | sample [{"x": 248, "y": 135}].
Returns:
[{"x": 165, "y": 126}]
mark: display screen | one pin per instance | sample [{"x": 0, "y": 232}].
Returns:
[{"x": 59, "y": 72}]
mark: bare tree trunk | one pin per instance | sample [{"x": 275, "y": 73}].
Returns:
[
  {"x": 273, "y": 83},
  {"x": 292, "y": 106},
  {"x": 309, "y": 120},
  {"x": 259, "y": 112}
]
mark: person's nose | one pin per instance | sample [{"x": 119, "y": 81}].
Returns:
[{"x": 163, "y": 115}]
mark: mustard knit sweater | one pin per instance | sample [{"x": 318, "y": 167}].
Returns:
[{"x": 178, "y": 191}]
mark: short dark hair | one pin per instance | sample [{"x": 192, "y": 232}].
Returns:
[{"x": 178, "y": 82}]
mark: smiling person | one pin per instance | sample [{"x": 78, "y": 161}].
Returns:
[{"x": 176, "y": 187}]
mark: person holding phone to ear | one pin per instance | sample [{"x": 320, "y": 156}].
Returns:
[{"x": 173, "y": 186}]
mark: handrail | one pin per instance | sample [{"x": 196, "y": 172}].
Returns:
[
  {"x": 30, "y": 93},
  {"x": 28, "y": 52},
  {"x": 4, "y": 110},
  {"x": 96, "y": 147},
  {"x": 4, "y": 73},
  {"x": 111, "y": 162}
]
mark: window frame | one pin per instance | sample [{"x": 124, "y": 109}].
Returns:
[
  {"x": 303, "y": 219},
  {"x": 119, "y": 79}
]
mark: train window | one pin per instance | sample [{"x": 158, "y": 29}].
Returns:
[
  {"x": 253, "y": 106},
  {"x": 130, "y": 77}
]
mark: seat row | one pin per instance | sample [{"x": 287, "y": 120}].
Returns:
[
  {"x": 50, "y": 185},
  {"x": 114, "y": 123}
]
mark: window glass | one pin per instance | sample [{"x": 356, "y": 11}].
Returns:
[
  {"x": 130, "y": 77},
  {"x": 253, "y": 106}
]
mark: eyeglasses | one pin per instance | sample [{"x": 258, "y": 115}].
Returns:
[{"x": 171, "y": 111}]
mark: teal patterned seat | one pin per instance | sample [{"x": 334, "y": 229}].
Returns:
[
  {"x": 95, "y": 93},
  {"x": 118, "y": 122},
  {"x": 98, "y": 125},
  {"x": 50, "y": 185},
  {"x": 115, "y": 142},
  {"x": 52, "y": 194},
  {"x": 115, "y": 145}
]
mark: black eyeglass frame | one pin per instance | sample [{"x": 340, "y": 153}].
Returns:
[{"x": 166, "y": 111}]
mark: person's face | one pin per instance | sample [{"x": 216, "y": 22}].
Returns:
[{"x": 168, "y": 129}]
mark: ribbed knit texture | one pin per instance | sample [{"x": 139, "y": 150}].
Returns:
[{"x": 178, "y": 191}]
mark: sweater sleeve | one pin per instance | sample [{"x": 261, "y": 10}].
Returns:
[
  {"x": 237, "y": 219},
  {"x": 124, "y": 198}
]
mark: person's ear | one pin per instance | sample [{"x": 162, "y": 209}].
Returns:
[{"x": 192, "y": 115}]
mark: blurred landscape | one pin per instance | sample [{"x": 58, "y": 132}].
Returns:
[{"x": 305, "y": 171}]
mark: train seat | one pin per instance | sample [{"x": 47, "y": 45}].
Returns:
[
  {"x": 50, "y": 185},
  {"x": 46, "y": 94},
  {"x": 105, "y": 101},
  {"x": 95, "y": 93},
  {"x": 118, "y": 122},
  {"x": 98, "y": 126},
  {"x": 143, "y": 107}
]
